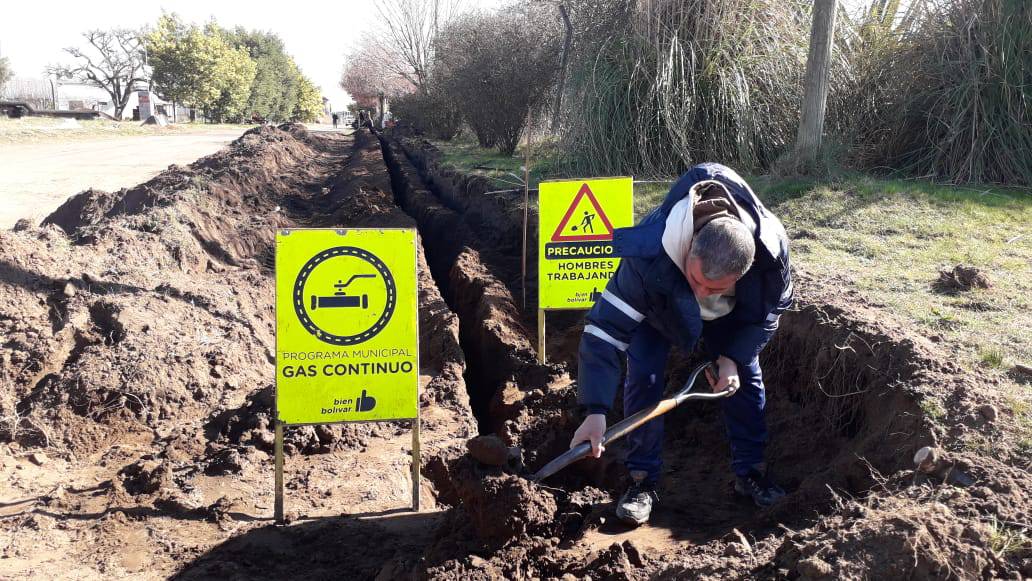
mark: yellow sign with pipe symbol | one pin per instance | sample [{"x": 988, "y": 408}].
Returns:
[
  {"x": 347, "y": 336},
  {"x": 575, "y": 238}
]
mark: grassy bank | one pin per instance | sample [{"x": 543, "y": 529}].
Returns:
[{"x": 890, "y": 239}]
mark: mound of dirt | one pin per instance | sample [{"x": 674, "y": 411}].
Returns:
[{"x": 890, "y": 538}]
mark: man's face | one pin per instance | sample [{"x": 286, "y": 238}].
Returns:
[{"x": 704, "y": 287}]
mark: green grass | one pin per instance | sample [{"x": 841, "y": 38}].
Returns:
[
  {"x": 27, "y": 130},
  {"x": 1006, "y": 539},
  {"x": 463, "y": 153}
]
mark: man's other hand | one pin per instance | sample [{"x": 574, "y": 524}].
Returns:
[
  {"x": 728, "y": 379},
  {"x": 591, "y": 430}
]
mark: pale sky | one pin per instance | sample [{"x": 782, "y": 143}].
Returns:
[{"x": 316, "y": 34}]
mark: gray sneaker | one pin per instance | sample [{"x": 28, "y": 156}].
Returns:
[{"x": 635, "y": 505}]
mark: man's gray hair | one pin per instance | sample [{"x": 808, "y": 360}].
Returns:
[{"x": 725, "y": 246}]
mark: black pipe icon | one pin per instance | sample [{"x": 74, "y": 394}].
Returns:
[{"x": 340, "y": 298}]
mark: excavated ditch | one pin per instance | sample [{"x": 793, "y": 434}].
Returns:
[{"x": 166, "y": 287}]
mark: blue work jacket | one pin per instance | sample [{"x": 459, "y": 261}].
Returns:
[{"x": 648, "y": 288}]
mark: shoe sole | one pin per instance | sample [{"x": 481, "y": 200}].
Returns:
[{"x": 630, "y": 520}]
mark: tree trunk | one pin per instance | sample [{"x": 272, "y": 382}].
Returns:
[
  {"x": 563, "y": 59},
  {"x": 818, "y": 66}
]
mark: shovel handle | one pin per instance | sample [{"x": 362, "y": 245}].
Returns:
[{"x": 632, "y": 422}]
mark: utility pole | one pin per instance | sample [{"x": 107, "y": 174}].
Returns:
[{"x": 815, "y": 84}]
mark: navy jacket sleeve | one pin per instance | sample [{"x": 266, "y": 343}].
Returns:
[
  {"x": 607, "y": 334},
  {"x": 742, "y": 341}
]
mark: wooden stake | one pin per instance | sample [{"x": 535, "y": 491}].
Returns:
[
  {"x": 415, "y": 464},
  {"x": 541, "y": 336},
  {"x": 279, "y": 473},
  {"x": 526, "y": 210}
]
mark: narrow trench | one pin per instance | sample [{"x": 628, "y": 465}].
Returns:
[{"x": 481, "y": 382}]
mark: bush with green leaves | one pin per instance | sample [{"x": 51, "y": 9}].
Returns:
[{"x": 429, "y": 111}]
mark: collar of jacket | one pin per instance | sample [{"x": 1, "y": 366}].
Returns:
[{"x": 645, "y": 239}]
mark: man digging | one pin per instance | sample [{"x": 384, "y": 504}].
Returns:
[{"x": 712, "y": 263}]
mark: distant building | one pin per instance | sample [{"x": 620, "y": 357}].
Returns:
[{"x": 41, "y": 93}]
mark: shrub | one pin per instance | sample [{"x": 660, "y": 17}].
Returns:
[
  {"x": 429, "y": 111},
  {"x": 671, "y": 83},
  {"x": 498, "y": 68}
]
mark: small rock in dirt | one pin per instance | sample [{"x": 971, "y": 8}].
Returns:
[
  {"x": 963, "y": 278},
  {"x": 22, "y": 224},
  {"x": 988, "y": 412},
  {"x": 68, "y": 290},
  {"x": 814, "y": 568},
  {"x": 228, "y": 461},
  {"x": 925, "y": 459},
  {"x": 488, "y": 450},
  {"x": 734, "y": 550},
  {"x": 38, "y": 458}
]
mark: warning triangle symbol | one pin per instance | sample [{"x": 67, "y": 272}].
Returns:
[{"x": 584, "y": 220}]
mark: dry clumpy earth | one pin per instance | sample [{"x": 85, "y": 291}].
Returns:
[{"x": 136, "y": 370}]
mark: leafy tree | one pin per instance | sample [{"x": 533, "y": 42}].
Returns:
[
  {"x": 308, "y": 101},
  {"x": 198, "y": 67},
  {"x": 113, "y": 61},
  {"x": 171, "y": 50},
  {"x": 235, "y": 72},
  {"x": 274, "y": 91}
]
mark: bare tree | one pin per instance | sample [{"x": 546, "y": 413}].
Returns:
[
  {"x": 409, "y": 28},
  {"x": 371, "y": 75},
  {"x": 114, "y": 61}
]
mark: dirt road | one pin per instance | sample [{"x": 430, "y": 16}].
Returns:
[{"x": 35, "y": 179}]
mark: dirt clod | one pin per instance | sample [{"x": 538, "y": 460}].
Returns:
[
  {"x": 489, "y": 450},
  {"x": 963, "y": 278},
  {"x": 814, "y": 568}
]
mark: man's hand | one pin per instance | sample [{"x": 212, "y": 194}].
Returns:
[
  {"x": 591, "y": 430},
  {"x": 728, "y": 376}
]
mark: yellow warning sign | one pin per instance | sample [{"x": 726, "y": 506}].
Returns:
[
  {"x": 575, "y": 234},
  {"x": 346, "y": 325}
]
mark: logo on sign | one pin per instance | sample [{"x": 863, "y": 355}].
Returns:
[{"x": 344, "y": 295}]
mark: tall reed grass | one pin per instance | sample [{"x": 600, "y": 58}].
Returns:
[
  {"x": 945, "y": 91},
  {"x": 675, "y": 82},
  {"x": 934, "y": 88}
]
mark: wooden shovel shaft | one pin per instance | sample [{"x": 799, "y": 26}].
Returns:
[{"x": 631, "y": 423}]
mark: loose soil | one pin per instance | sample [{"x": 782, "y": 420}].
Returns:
[{"x": 135, "y": 406}]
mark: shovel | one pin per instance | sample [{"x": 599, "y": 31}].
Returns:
[{"x": 633, "y": 422}]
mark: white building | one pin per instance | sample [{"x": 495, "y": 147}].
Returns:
[{"x": 41, "y": 94}]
